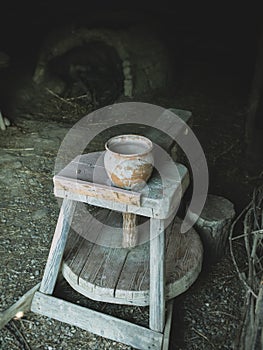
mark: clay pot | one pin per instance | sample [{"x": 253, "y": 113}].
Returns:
[{"x": 129, "y": 161}]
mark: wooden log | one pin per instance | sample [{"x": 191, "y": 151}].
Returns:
[
  {"x": 157, "y": 275},
  {"x": 57, "y": 246},
  {"x": 96, "y": 322},
  {"x": 213, "y": 226},
  {"x": 21, "y": 306},
  {"x": 130, "y": 230}
]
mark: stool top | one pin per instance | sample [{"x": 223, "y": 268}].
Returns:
[{"x": 84, "y": 179}]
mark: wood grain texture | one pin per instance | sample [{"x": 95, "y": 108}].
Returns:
[
  {"x": 213, "y": 226},
  {"x": 157, "y": 275},
  {"x": 131, "y": 266},
  {"x": 85, "y": 183},
  {"x": 57, "y": 246},
  {"x": 130, "y": 230},
  {"x": 99, "y": 191},
  {"x": 168, "y": 324},
  {"x": 96, "y": 322},
  {"x": 22, "y": 305}
]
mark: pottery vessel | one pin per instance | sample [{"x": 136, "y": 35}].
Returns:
[{"x": 129, "y": 160}]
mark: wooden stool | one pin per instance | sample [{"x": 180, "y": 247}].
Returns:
[
  {"x": 151, "y": 287},
  {"x": 92, "y": 258}
]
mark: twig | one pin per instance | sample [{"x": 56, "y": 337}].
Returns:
[
  {"x": 19, "y": 149},
  {"x": 257, "y": 232},
  {"x": 77, "y": 97},
  {"x": 203, "y": 336},
  {"x": 232, "y": 252},
  {"x": 253, "y": 239},
  {"x": 223, "y": 313},
  {"x": 19, "y": 336},
  {"x": 60, "y": 98}
]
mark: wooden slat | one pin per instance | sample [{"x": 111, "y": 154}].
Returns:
[
  {"x": 134, "y": 277},
  {"x": 105, "y": 262},
  {"x": 168, "y": 323},
  {"x": 96, "y": 322},
  {"x": 183, "y": 265},
  {"x": 78, "y": 257},
  {"x": 111, "y": 233},
  {"x": 57, "y": 246},
  {"x": 98, "y": 191},
  {"x": 158, "y": 199},
  {"x": 102, "y": 269},
  {"x": 157, "y": 275},
  {"x": 89, "y": 224},
  {"x": 22, "y": 305}
]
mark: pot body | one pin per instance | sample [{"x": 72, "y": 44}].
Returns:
[{"x": 129, "y": 161}]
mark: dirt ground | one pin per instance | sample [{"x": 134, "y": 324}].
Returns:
[{"x": 208, "y": 315}]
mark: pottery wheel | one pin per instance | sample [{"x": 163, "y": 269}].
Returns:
[{"x": 97, "y": 267}]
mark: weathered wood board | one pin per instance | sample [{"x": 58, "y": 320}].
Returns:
[
  {"x": 57, "y": 246},
  {"x": 85, "y": 180},
  {"x": 88, "y": 268},
  {"x": 157, "y": 275},
  {"x": 96, "y": 322},
  {"x": 22, "y": 305}
]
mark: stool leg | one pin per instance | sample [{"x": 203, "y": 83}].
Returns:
[
  {"x": 57, "y": 246},
  {"x": 130, "y": 230},
  {"x": 157, "y": 275}
]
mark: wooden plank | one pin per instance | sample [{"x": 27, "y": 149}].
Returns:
[
  {"x": 99, "y": 191},
  {"x": 89, "y": 224},
  {"x": 57, "y": 246},
  {"x": 73, "y": 242},
  {"x": 111, "y": 233},
  {"x": 157, "y": 275},
  {"x": 96, "y": 322},
  {"x": 134, "y": 277},
  {"x": 101, "y": 271},
  {"x": 79, "y": 255},
  {"x": 22, "y": 305},
  {"x": 184, "y": 254},
  {"x": 167, "y": 329},
  {"x": 158, "y": 199},
  {"x": 141, "y": 300}
]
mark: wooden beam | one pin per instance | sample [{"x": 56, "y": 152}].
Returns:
[
  {"x": 98, "y": 191},
  {"x": 96, "y": 322},
  {"x": 57, "y": 246},
  {"x": 167, "y": 329},
  {"x": 157, "y": 275},
  {"x": 22, "y": 305}
]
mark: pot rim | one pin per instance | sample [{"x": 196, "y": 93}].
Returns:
[{"x": 145, "y": 140}]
